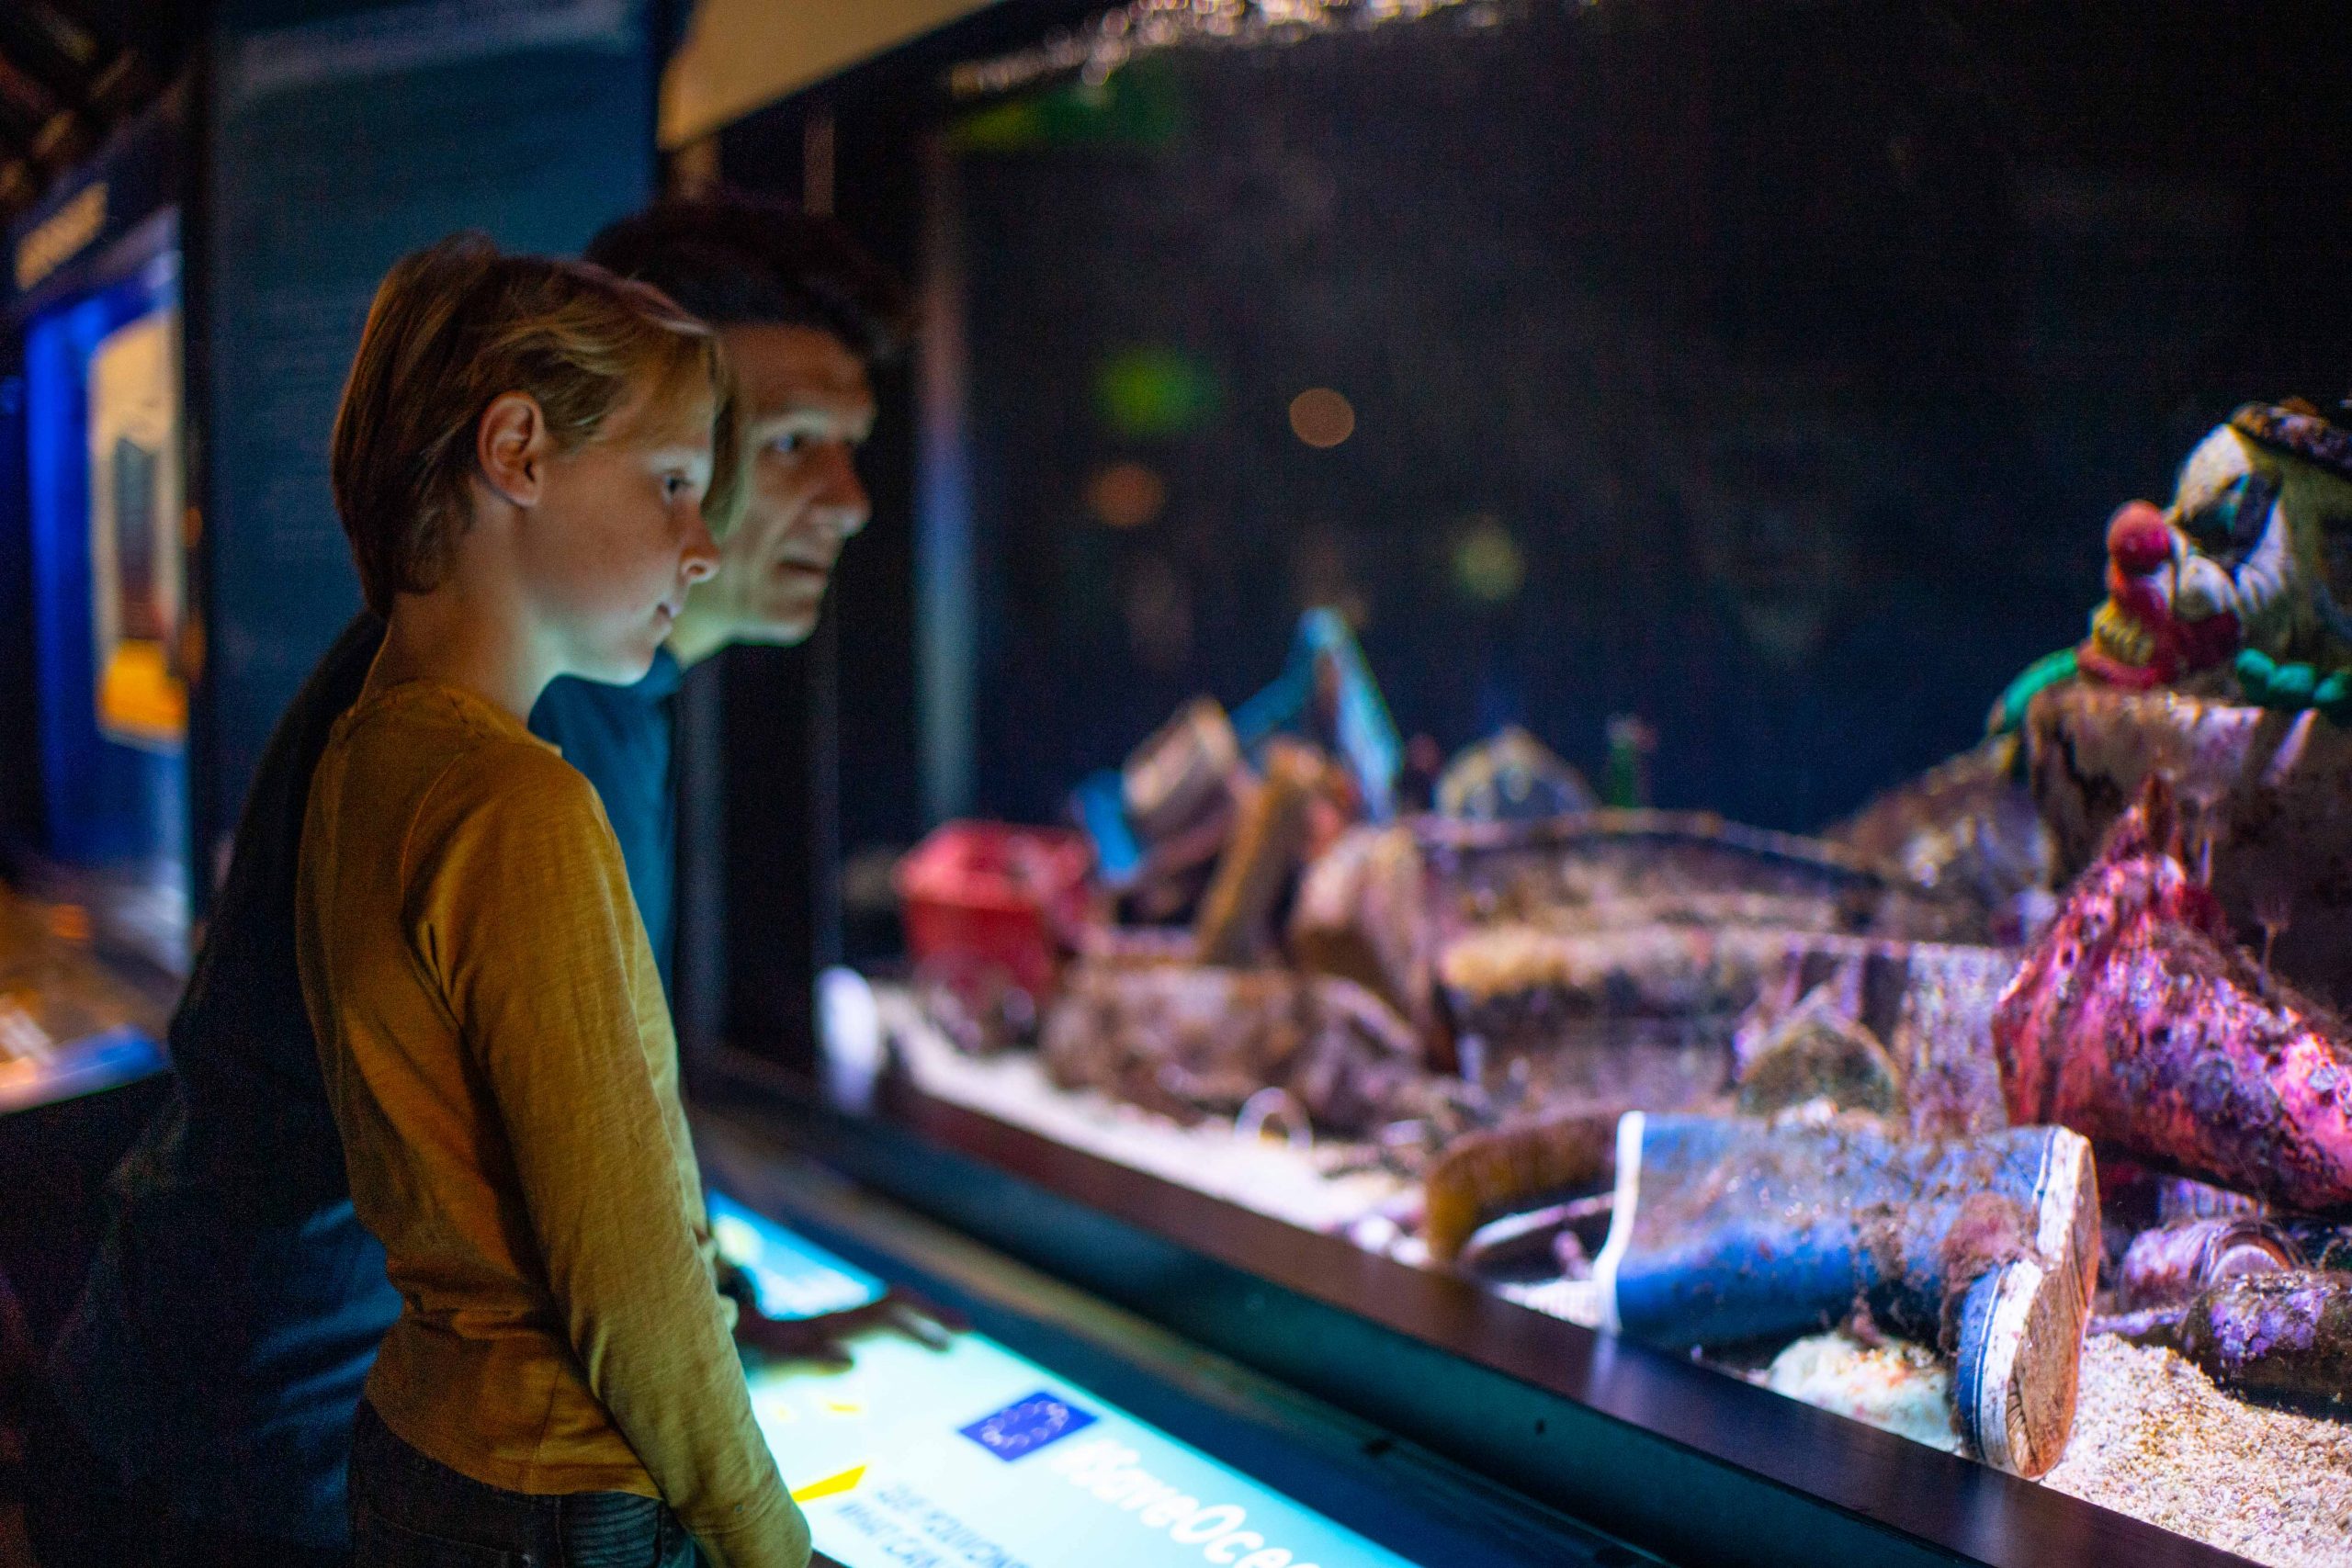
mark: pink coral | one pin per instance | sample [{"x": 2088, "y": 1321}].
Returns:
[{"x": 2139, "y": 1022}]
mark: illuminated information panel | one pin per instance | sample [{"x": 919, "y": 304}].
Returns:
[
  {"x": 973, "y": 1457},
  {"x": 33, "y": 1071}
]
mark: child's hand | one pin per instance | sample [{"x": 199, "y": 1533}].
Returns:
[
  {"x": 816, "y": 1340},
  {"x": 823, "y": 1340}
]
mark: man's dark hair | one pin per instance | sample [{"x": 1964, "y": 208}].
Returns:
[{"x": 736, "y": 260}]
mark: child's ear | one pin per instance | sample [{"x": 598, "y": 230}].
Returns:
[{"x": 510, "y": 447}]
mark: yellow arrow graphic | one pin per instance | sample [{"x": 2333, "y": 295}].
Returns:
[{"x": 831, "y": 1486}]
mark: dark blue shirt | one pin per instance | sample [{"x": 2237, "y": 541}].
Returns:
[
  {"x": 235, "y": 1303},
  {"x": 621, "y": 736}
]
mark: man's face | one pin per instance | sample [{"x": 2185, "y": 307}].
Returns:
[{"x": 807, "y": 407}]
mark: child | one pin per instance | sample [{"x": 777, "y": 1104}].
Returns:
[
  {"x": 521, "y": 461},
  {"x": 214, "y": 1363}
]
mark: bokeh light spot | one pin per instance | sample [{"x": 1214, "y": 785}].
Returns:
[
  {"x": 1321, "y": 417},
  {"x": 1153, "y": 394},
  {"x": 1125, "y": 495},
  {"x": 1486, "y": 563}
]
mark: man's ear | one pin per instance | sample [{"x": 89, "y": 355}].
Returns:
[{"x": 511, "y": 447}]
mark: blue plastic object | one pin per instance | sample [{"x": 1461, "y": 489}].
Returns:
[
  {"x": 1728, "y": 1229},
  {"x": 1367, "y": 736},
  {"x": 1367, "y": 739},
  {"x": 1100, "y": 804}
]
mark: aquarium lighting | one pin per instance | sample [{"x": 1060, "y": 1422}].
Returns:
[{"x": 1099, "y": 47}]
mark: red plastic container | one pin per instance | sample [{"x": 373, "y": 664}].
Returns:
[{"x": 982, "y": 894}]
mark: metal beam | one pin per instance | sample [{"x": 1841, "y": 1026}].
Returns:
[{"x": 740, "y": 55}]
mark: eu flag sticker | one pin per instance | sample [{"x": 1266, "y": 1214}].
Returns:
[{"x": 1027, "y": 1425}]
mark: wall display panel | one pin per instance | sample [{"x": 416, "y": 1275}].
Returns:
[
  {"x": 97, "y": 655},
  {"x": 339, "y": 143},
  {"x": 104, "y": 434},
  {"x": 92, "y": 522},
  {"x": 19, "y": 719}
]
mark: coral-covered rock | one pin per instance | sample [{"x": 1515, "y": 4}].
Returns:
[
  {"x": 2138, "y": 1022},
  {"x": 2266, "y": 806}
]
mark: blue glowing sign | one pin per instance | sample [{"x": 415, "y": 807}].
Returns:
[{"x": 973, "y": 1457}]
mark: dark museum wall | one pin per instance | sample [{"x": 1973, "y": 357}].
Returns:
[
  {"x": 341, "y": 137},
  {"x": 1767, "y": 371}
]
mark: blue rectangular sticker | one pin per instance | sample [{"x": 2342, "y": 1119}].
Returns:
[{"x": 1027, "y": 1425}]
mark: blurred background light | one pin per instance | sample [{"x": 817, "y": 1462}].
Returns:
[
  {"x": 1141, "y": 109},
  {"x": 1153, "y": 393},
  {"x": 1486, "y": 563},
  {"x": 1125, "y": 495},
  {"x": 1321, "y": 417},
  {"x": 1159, "y": 610}
]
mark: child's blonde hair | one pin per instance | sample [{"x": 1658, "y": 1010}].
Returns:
[{"x": 457, "y": 325}]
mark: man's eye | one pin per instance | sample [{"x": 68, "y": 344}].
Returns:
[
  {"x": 675, "y": 485},
  {"x": 788, "y": 445}
]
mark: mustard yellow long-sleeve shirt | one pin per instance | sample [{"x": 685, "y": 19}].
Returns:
[{"x": 502, "y": 1068}]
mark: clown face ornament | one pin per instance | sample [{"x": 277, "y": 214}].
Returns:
[{"x": 2254, "y": 556}]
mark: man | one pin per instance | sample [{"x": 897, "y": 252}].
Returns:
[
  {"x": 213, "y": 1367},
  {"x": 804, "y": 316}
]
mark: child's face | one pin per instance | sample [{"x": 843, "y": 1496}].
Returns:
[{"x": 618, "y": 535}]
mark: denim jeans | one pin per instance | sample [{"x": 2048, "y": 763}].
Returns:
[{"x": 410, "y": 1511}]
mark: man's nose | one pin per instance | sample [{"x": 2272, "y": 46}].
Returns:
[
  {"x": 841, "y": 497},
  {"x": 699, "y": 562}
]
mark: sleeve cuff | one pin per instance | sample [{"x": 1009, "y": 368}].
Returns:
[{"x": 768, "y": 1533}]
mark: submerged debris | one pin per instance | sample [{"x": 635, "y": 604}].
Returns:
[
  {"x": 1191, "y": 1042},
  {"x": 1816, "y": 1053},
  {"x": 1484, "y": 1174},
  {"x": 1727, "y": 1230},
  {"x": 1894, "y": 1385},
  {"x": 2138, "y": 1022},
  {"x": 1511, "y": 777},
  {"x": 2169, "y": 1264},
  {"x": 2283, "y": 1338}
]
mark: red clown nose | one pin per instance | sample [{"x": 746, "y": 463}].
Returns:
[{"x": 2137, "y": 539}]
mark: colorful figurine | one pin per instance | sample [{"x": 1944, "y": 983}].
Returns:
[
  {"x": 2245, "y": 570},
  {"x": 2143, "y": 635}
]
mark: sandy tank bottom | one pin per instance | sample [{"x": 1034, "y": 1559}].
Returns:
[{"x": 2156, "y": 1439}]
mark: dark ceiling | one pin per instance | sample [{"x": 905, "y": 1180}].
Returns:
[{"x": 70, "y": 71}]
